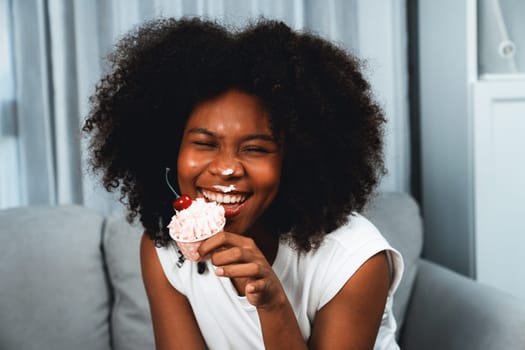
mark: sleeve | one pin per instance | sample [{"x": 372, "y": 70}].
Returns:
[
  {"x": 168, "y": 257},
  {"x": 346, "y": 251}
]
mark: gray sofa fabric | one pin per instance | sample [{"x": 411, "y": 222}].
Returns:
[
  {"x": 449, "y": 311},
  {"x": 53, "y": 288},
  {"x": 70, "y": 279}
]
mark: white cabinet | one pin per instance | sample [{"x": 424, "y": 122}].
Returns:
[
  {"x": 472, "y": 135},
  {"x": 499, "y": 183}
]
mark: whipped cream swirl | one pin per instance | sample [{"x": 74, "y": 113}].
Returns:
[{"x": 199, "y": 221}]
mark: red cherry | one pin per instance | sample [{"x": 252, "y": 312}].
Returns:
[{"x": 183, "y": 202}]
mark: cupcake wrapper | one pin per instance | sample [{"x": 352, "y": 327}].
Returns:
[{"x": 189, "y": 249}]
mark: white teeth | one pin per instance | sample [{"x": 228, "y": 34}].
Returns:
[{"x": 224, "y": 198}]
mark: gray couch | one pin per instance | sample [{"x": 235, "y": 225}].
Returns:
[{"x": 70, "y": 279}]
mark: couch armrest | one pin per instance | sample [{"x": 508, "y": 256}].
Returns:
[{"x": 450, "y": 311}]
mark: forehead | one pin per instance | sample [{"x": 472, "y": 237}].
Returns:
[{"x": 231, "y": 111}]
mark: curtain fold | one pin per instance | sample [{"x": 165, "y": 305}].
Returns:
[
  {"x": 33, "y": 102},
  {"x": 9, "y": 169},
  {"x": 60, "y": 48},
  {"x": 65, "y": 99}
]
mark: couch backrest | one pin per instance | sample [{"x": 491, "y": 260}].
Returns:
[
  {"x": 398, "y": 218},
  {"x": 53, "y": 289}
]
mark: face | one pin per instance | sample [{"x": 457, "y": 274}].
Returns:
[{"x": 229, "y": 155}]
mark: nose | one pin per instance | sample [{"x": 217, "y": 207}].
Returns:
[{"x": 226, "y": 166}]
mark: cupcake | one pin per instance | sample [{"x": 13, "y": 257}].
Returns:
[{"x": 195, "y": 223}]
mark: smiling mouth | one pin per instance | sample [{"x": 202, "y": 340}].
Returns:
[{"x": 224, "y": 198}]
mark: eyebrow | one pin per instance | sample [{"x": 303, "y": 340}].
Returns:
[
  {"x": 259, "y": 136},
  {"x": 201, "y": 131}
]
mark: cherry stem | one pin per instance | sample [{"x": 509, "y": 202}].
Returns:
[{"x": 169, "y": 184}]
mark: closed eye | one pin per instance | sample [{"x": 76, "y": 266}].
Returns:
[
  {"x": 205, "y": 144},
  {"x": 256, "y": 149}
]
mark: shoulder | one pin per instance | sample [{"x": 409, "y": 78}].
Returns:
[
  {"x": 355, "y": 233},
  {"x": 154, "y": 274},
  {"x": 175, "y": 270},
  {"x": 355, "y": 242},
  {"x": 171, "y": 313},
  {"x": 344, "y": 251}
]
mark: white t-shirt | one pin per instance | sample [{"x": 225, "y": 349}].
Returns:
[{"x": 228, "y": 321}]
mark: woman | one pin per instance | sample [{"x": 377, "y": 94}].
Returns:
[{"x": 279, "y": 128}]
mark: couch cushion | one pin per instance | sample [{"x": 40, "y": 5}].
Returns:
[
  {"x": 130, "y": 319},
  {"x": 398, "y": 218},
  {"x": 53, "y": 290}
]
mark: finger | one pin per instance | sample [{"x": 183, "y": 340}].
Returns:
[
  {"x": 208, "y": 256},
  {"x": 208, "y": 246},
  {"x": 233, "y": 255},
  {"x": 250, "y": 270},
  {"x": 223, "y": 239},
  {"x": 255, "y": 287},
  {"x": 216, "y": 241},
  {"x": 256, "y": 292}
]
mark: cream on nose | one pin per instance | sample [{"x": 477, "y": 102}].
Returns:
[{"x": 226, "y": 165}]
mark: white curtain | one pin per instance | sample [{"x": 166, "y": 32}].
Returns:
[
  {"x": 9, "y": 184},
  {"x": 58, "y": 49}
]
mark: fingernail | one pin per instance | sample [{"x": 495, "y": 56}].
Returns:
[{"x": 219, "y": 271}]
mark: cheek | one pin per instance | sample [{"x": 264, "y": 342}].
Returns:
[
  {"x": 192, "y": 164},
  {"x": 187, "y": 161},
  {"x": 188, "y": 167},
  {"x": 269, "y": 177}
]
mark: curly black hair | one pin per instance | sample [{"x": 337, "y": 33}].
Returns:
[{"x": 313, "y": 91}]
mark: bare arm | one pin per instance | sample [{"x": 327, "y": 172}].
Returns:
[
  {"x": 352, "y": 318},
  {"x": 174, "y": 324}
]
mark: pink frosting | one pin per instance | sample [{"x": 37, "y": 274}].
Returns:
[{"x": 197, "y": 222}]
